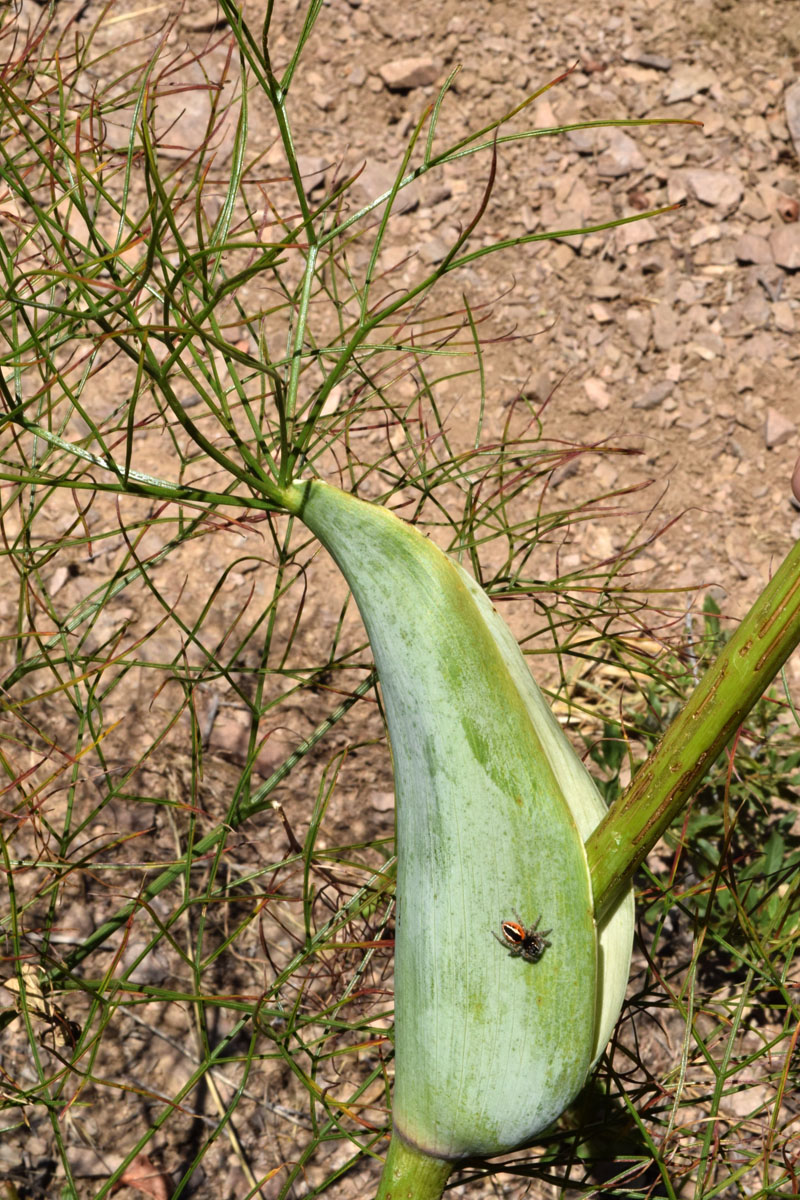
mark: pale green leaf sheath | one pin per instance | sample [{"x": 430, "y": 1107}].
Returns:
[{"x": 493, "y": 808}]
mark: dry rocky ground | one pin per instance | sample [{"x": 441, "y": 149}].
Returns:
[{"x": 676, "y": 337}]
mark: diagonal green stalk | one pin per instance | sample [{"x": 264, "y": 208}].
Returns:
[{"x": 726, "y": 693}]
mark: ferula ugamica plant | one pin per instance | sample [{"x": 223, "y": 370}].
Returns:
[{"x": 493, "y": 809}]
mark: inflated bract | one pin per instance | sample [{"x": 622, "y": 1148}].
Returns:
[{"x": 493, "y": 808}]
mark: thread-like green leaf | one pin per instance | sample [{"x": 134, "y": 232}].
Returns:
[{"x": 490, "y": 1048}]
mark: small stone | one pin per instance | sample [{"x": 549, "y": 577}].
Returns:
[
  {"x": 715, "y": 256},
  {"x": 602, "y": 544},
  {"x": 771, "y": 279},
  {"x": 638, "y": 233},
  {"x": 312, "y": 169},
  {"x": 561, "y": 474},
  {"x": 37, "y": 1148},
  {"x": 718, "y": 188},
  {"x": 358, "y": 75},
  {"x": 334, "y": 397},
  {"x": 405, "y": 125},
  {"x": 183, "y": 110},
  {"x": 401, "y": 74},
  {"x": 643, "y": 58},
  {"x": 706, "y": 233},
  {"x": 571, "y": 220},
  {"x": 543, "y": 115},
  {"x": 687, "y": 293},
  {"x": 75, "y": 921},
  {"x": 665, "y": 327},
  {"x": 606, "y": 475},
  {"x": 783, "y": 316},
  {"x": 755, "y": 128},
  {"x": 540, "y": 385},
  {"x": 151, "y": 967},
  {"x": 383, "y": 801},
  {"x": 377, "y": 179},
  {"x": 746, "y": 315},
  {"x": 651, "y": 264},
  {"x": 777, "y": 429},
  {"x": 753, "y": 207},
  {"x": 622, "y": 156},
  {"x": 230, "y": 738},
  {"x": 560, "y": 256},
  {"x": 640, "y": 324},
  {"x": 745, "y": 377},
  {"x": 601, "y": 314},
  {"x": 202, "y": 22},
  {"x": 606, "y": 291},
  {"x": 755, "y": 310},
  {"x": 434, "y": 250},
  {"x": 324, "y": 100},
  {"x": 785, "y": 244},
  {"x": 791, "y": 103},
  {"x": 605, "y": 276},
  {"x": 713, "y": 122},
  {"x": 593, "y": 243},
  {"x": 752, "y": 248},
  {"x": 709, "y": 345},
  {"x": 597, "y": 392},
  {"x": 656, "y": 395},
  {"x": 580, "y": 199},
  {"x": 763, "y": 348},
  {"x": 688, "y": 82},
  {"x": 676, "y": 189},
  {"x": 57, "y": 580},
  {"x": 439, "y": 194},
  {"x": 777, "y": 127},
  {"x": 583, "y": 140}
]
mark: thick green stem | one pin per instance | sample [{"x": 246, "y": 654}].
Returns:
[
  {"x": 729, "y": 689},
  {"x": 410, "y": 1175}
]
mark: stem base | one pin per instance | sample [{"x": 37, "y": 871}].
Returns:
[{"x": 408, "y": 1174}]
